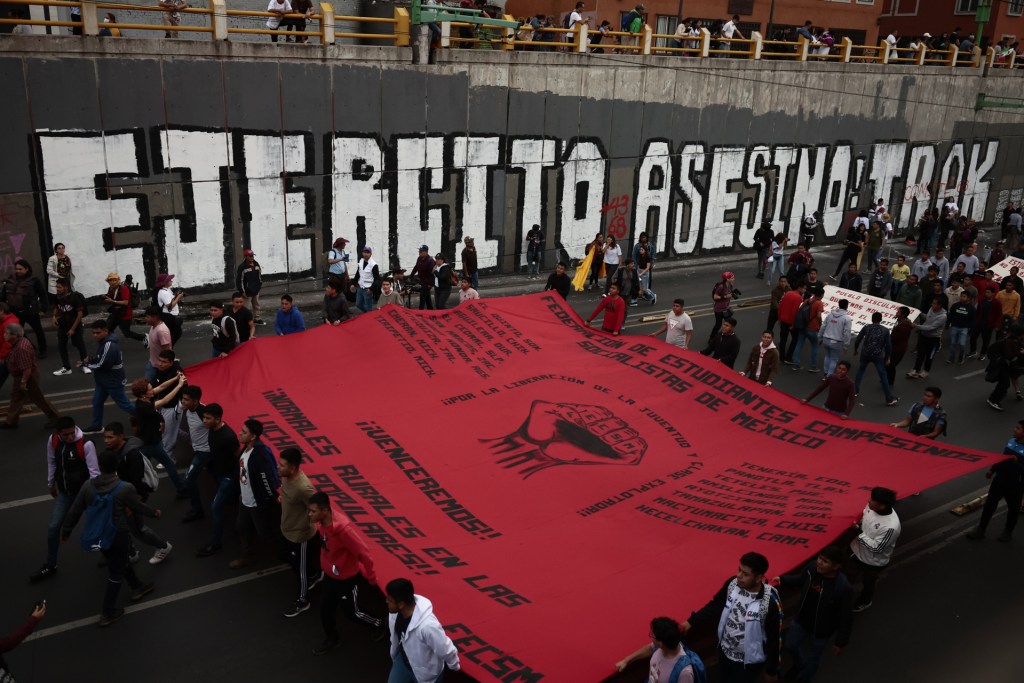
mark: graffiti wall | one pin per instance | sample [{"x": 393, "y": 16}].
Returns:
[{"x": 197, "y": 160}]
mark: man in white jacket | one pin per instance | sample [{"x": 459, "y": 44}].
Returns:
[
  {"x": 879, "y": 527},
  {"x": 419, "y": 646},
  {"x": 835, "y": 335}
]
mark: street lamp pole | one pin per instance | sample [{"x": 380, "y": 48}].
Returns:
[{"x": 771, "y": 18}]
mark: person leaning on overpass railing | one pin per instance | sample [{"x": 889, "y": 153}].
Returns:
[
  {"x": 172, "y": 15},
  {"x": 633, "y": 23}
]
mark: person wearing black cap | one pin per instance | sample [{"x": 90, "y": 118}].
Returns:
[
  {"x": 442, "y": 281},
  {"x": 249, "y": 281},
  {"x": 424, "y": 270}
]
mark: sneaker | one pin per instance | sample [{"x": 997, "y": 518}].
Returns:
[
  {"x": 108, "y": 619},
  {"x": 983, "y": 357},
  {"x": 192, "y": 516},
  {"x": 316, "y": 582},
  {"x": 86, "y": 371},
  {"x": 654, "y": 298},
  {"x": 326, "y": 646},
  {"x": 161, "y": 554},
  {"x": 912, "y": 374},
  {"x": 972, "y": 355},
  {"x": 787, "y": 362},
  {"x": 795, "y": 366},
  {"x": 62, "y": 371},
  {"x": 993, "y": 405},
  {"x": 922, "y": 374},
  {"x": 949, "y": 361},
  {"x": 142, "y": 591},
  {"x": 1005, "y": 537},
  {"x": 44, "y": 572},
  {"x": 134, "y": 556},
  {"x": 961, "y": 361},
  {"x": 976, "y": 534},
  {"x": 894, "y": 401},
  {"x": 633, "y": 303},
  {"x": 812, "y": 369},
  {"x": 208, "y": 549},
  {"x": 93, "y": 429},
  {"x": 860, "y": 608},
  {"x": 260, "y": 321},
  {"x": 240, "y": 562},
  {"x": 297, "y": 608},
  {"x": 160, "y": 466}
]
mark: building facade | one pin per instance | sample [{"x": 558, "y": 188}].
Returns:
[{"x": 917, "y": 17}]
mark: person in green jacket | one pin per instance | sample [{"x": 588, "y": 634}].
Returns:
[
  {"x": 910, "y": 294},
  {"x": 634, "y": 23}
]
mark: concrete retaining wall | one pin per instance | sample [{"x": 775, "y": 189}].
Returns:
[{"x": 174, "y": 156}]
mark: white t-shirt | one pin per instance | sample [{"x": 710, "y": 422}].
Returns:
[
  {"x": 164, "y": 298},
  {"x": 891, "y": 39},
  {"x": 678, "y": 326},
  {"x": 729, "y": 29},
  {"x": 248, "y": 499},
  {"x": 574, "y": 18},
  {"x": 277, "y": 6},
  {"x": 611, "y": 256}
]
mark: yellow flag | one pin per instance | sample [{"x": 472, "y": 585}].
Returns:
[{"x": 579, "y": 280}]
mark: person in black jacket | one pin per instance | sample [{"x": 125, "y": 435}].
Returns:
[
  {"x": 763, "y": 244},
  {"x": 559, "y": 281},
  {"x": 223, "y": 467},
  {"x": 249, "y": 281},
  {"x": 259, "y": 485},
  {"x": 25, "y": 294},
  {"x": 725, "y": 346},
  {"x": 826, "y": 610},
  {"x": 1007, "y": 482}
]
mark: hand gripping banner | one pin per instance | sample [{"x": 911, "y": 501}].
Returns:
[{"x": 545, "y": 484}]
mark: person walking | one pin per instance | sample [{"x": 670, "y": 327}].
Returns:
[
  {"x": 223, "y": 467},
  {"x": 58, "y": 266},
  {"x": 123, "y": 498},
  {"x": 119, "y": 308},
  {"x": 26, "y": 297},
  {"x": 879, "y": 528},
  {"x": 835, "y": 334},
  {"x": 24, "y": 371},
  {"x": 1007, "y": 484},
  {"x": 249, "y": 281},
  {"x": 612, "y": 255},
  {"x": 258, "y": 483},
  {"x": 300, "y": 544},
  {"x": 874, "y": 345},
  {"x": 148, "y": 421},
  {"x": 721, "y": 296},
  {"x": 420, "y": 648},
  {"x": 929, "y": 334},
  {"x": 68, "y": 311},
  {"x": 763, "y": 246},
  {"x": 347, "y": 564},
  {"x": 107, "y": 367}
]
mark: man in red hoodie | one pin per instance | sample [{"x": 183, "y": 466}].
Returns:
[
  {"x": 346, "y": 562},
  {"x": 614, "y": 307},
  {"x": 788, "y": 305},
  {"x": 6, "y": 318}
]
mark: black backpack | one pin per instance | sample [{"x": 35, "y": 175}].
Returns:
[
  {"x": 873, "y": 345},
  {"x": 803, "y": 316},
  {"x": 566, "y": 23}
]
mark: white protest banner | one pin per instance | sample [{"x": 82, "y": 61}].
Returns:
[
  {"x": 1002, "y": 269},
  {"x": 861, "y": 306}
]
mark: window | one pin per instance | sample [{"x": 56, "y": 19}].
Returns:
[
  {"x": 966, "y": 6},
  {"x": 865, "y": 2},
  {"x": 902, "y": 8},
  {"x": 1015, "y": 8},
  {"x": 667, "y": 25}
]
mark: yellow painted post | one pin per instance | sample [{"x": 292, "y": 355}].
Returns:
[
  {"x": 954, "y": 55},
  {"x": 803, "y": 47},
  {"x": 921, "y": 52},
  {"x": 756, "y": 45},
  {"x": 510, "y": 34},
  {"x": 446, "y": 34},
  {"x": 220, "y": 19},
  {"x": 402, "y": 27},
  {"x": 327, "y": 24},
  {"x": 1013, "y": 59},
  {"x": 883, "y": 52},
  {"x": 646, "y": 40},
  {"x": 705, "y": 42},
  {"x": 990, "y": 57},
  {"x": 582, "y": 40},
  {"x": 847, "y": 49}
]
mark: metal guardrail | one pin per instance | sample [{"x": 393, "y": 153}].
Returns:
[{"x": 216, "y": 21}]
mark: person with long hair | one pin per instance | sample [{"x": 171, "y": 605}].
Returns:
[{"x": 612, "y": 256}]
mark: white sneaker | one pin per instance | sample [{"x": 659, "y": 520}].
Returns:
[
  {"x": 62, "y": 371},
  {"x": 161, "y": 554},
  {"x": 86, "y": 371}
]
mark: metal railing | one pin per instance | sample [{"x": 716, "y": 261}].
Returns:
[{"x": 214, "y": 21}]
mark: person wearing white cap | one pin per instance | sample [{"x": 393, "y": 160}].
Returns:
[{"x": 368, "y": 280}]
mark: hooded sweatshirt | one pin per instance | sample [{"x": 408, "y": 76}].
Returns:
[
  {"x": 343, "y": 552},
  {"x": 425, "y": 643},
  {"x": 126, "y": 497},
  {"x": 837, "y": 326},
  {"x": 65, "y": 469}
]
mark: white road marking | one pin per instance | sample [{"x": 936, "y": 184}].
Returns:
[
  {"x": 25, "y": 501},
  {"x": 158, "y": 602},
  {"x": 970, "y": 374}
]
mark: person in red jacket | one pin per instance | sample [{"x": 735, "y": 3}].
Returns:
[
  {"x": 989, "y": 318},
  {"x": 614, "y": 307},
  {"x": 788, "y": 305},
  {"x": 12, "y": 641},
  {"x": 346, "y": 562},
  {"x": 6, "y": 318}
]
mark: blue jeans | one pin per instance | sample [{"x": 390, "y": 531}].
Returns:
[
  {"x": 226, "y": 488},
  {"x": 364, "y": 299},
  {"x": 199, "y": 460},
  {"x": 958, "y": 342},
  {"x": 833, "y": 349},
  {"x": 61, "y": 505},
  {"x": 99, "y": 397},
  {"x": 645, "y": 286},
  {"x": 777, "y": 265},
  {"x": 534, "y": 257},
  {"x": 897, "y": 285},
  {"x": 156, "y": 450},
  {"x": 883, "y": 375},
  {"x": 476, "y": 281},
  {"x": 812, "y": 337},
  {"x": 807, "y": 665},
  {"x": 150, "y": 372},
  {"x": 401, "y": 673}
]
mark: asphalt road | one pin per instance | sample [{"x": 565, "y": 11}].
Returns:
[{"x": 948, "y": 610}]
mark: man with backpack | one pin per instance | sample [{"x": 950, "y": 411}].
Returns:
[
  {"x": 874, "y": 345},
  {"x": 825, "y": 610},
  {"x": 225, "y": 331},
  {"x": 574, "y": 19},
  {"x": 633, "y": 23},
  {"x": 249, "y": 281},
  {"x": 135, "y": 469},
  {"x": 806, "y": 325},
  {"x": 119, "y": 311},
  {"x": 106, "y": 502},
  {"x": 749, "y": 615},
  {"x": 670, "y": 661},
  {"x": 70, "y": 462}
]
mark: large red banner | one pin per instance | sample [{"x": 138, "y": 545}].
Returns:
[{"x": 552, "y": 488}]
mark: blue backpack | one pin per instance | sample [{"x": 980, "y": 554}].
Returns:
[
  {"x": 691, "y": 658},
  {"x": 99, "y": 531}
]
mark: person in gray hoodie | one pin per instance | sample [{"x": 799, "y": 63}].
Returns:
[
  {"x": 835, "y": 335},
  {"x": 119, "y": 568},
  {"x": 929, "y": 334}
]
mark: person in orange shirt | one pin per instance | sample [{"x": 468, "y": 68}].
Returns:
[{"x": 1009, "y": 300}]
